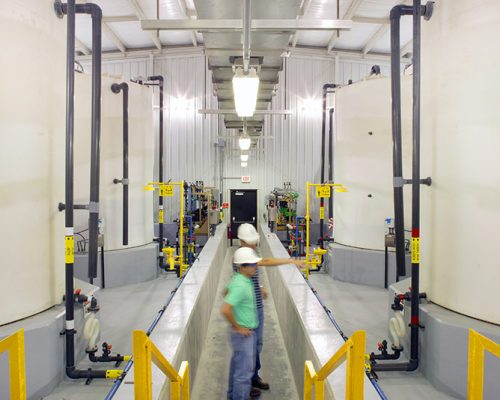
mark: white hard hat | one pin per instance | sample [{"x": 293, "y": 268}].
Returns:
[
  {"x": 245, "y": 255},
  {"x": 248, "y": 234}
]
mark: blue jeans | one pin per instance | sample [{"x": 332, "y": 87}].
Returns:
[
  {"x": 242, "y": 366},
  {"x": 259, "y": 332}
]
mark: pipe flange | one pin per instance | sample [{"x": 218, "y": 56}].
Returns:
[
  {"x": 429, "y": 10},
  {"x": 91, "y": 351},
  {"x": 116, "y": 88}
]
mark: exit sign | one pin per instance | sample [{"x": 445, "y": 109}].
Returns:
[{"x": 246, "y": 179}]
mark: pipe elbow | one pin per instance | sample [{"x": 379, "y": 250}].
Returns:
[
  {"x": 400, "y": 10},
  {"x": 412, "y": 365},
  {"x": 327, "y": 86},
  {"x": 158, "y": 78}
]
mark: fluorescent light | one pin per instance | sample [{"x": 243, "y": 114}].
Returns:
[
  {"x": 245, "y": 89},
  {"x": 244, "y": 157},
  {"x": 244, "y": 142},
  {"x": 244, "y": 164}
]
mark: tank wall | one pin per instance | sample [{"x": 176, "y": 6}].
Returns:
[
  {"x": 363, "y": 161},
  {"x": 141, "y": 160},
  {"x": 461, "y": 143},
  {"x": 32, "y": 101}
]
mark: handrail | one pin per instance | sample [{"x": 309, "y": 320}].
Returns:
[
  {"x": 475, "y": 377},
  {"x": 14, "y": 344},
  {"x": 353, "y": 352},
  {"x": 146, "y": 352}
]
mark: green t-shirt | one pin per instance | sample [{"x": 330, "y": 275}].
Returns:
[{"x": 242, "y": 297}]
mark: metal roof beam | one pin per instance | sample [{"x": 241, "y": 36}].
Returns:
[
  {"x": 348, "y": 15},
  {"x": 375, "y": 38},
  {"x": 407, "y": 48},
  {"x": 81, "y": 46},
  {"x": 258, "y": 112},
  {"x": 113, "y": 37},
  {"x": 303, "y": 10},
  {"x": 235, "y": 25},
  {"x": 140, "y": 14}
]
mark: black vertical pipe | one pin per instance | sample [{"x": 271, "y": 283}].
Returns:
[
  {"x": 330, "y": 162},
  {"x": 70, "y": 9},
  {"x": 96, "y": 14},
  {"x": 116, "y": 88},
  {"x": 326, "y": 86},
  {"x": 415, "y": 198},
  {"x": 160, "y": 80},
  {"x": 397, "y": 158},
  {"x": 68, "y": 211}
]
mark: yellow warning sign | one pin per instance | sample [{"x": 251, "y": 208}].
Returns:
[
  {"x": 322, "y": 213},
  {"x": 69, "y": 245},
  {"x": 166, "y": 190},
  {"x": 160, "y": 216},
  {"x": 415, "y": 250},
  {"x": 323, "y": 191}
]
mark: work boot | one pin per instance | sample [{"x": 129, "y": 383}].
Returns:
[
  {"x": 260, "y": 384},
  {"x": 254, "y": 393}
]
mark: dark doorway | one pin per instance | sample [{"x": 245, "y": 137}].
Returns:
[{"x": 243, "y": 209}]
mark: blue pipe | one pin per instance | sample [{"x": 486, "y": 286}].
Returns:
[{"x": 160, "y": 313}]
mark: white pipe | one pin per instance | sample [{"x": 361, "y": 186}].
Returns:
[
  {"x": 91, "y": 330},
  {"x": 247, "y": 18}
]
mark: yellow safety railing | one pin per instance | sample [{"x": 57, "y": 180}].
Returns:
[
  {"x": 477, "y": 345},
  {"x": 146, "y": 352},
  {"x": 14, "y": 344},
  {"x": 352, "y": 351}
]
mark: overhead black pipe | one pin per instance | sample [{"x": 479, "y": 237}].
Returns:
[
  {"x": 326, "y": 86},
  {"x": 160, "y": 80},
  {"x": 116, "y": 88},
  {"x": 330, "y": 162},
  {"x": 417, "y": 10},
  {"x": 70, "y": 9}
]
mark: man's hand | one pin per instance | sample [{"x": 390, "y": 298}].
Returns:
[
  {"x": 264, "y": 292},
  {"x": 243, "y": 331},
  {"x": 299, "y": 264}
]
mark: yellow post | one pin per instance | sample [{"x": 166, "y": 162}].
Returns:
[
  {"x": 307, "y": 227},
  {"x": 142, "y": 368},
  {"x": 14, "y": 344},
  {"x": 309, "y": 377},
  {"x": 356, "y": 366},
  {"x": 181, "y": 229},
  {"x": 184, "y": 373}
]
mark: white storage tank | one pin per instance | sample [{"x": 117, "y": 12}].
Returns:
[
  {"x": 140, "y": 158},
  {"x": 32, "y": 132},
  {"x": 461, "y": 152},
  {"x": 363, "y": 160}
]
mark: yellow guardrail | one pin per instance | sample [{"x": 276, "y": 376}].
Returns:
[
  {"x": 352, "y": 351},
  {"x": 14, "y": 344},
  {"x": 475, "y": 378},
  {"x": 146, "y": 352}
]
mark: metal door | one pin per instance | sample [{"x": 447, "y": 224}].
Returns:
[{"x": 243, "y": 209}]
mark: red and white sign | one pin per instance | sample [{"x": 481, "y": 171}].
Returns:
[
  {"x": 225, "y": 205},
  {"x": 245, "y": 179}
]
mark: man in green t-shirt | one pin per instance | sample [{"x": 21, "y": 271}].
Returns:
[{"x": 240, "y": 310}]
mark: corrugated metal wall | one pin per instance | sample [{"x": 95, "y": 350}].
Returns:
[{"x": 294, "y": 153}]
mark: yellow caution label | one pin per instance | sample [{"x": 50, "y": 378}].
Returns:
[
  {"x": 69, "y": 245},
  {"x": 415, "y": 250},
  {"x": 113, "y": 373},
  {"x": 323, "y": 191},
  {"x": 160, "y": 216},
  {"x": 166, "y": 190},
  {"x": 322, "y": 213}
]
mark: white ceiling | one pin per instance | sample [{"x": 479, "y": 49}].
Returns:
[{"x": 129, "y": 35}]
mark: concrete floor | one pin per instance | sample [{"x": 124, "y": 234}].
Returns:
[
  {"x": 354, "y": 307},
  {"x": 212, "y": 377},
  {"x": 357, "y": 307},
  {"x": 123, "y": 309}
]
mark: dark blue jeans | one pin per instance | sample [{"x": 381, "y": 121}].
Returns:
[
  {"x": 259, "y": 332},
  {"x": 242, "y": 366}
]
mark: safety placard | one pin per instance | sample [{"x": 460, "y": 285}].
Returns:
[
  {"x": 166, "y": 190},
  {"x": 415, "y": 250},
  {"x": 69, "y": 245},
  {"x": 225, "y": 205},
  {"x": 323, "y": 191},
  {"x": 322, "y": 213}
]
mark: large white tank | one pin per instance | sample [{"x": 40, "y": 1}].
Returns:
[
  {"x": 32, "y": 103},
  {"x": 461, "y": 152},
  {"x": 140, "y": 158},
  {"x": 363, "y": 160}
]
